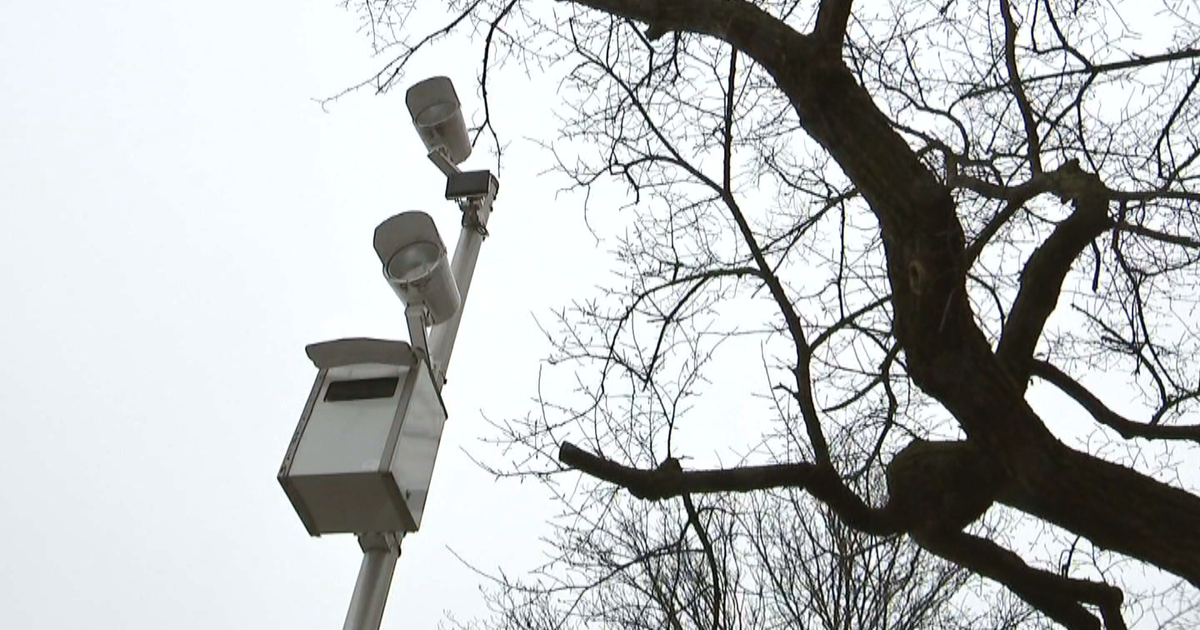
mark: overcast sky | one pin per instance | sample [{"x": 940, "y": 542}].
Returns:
[{"x": 179, "y": 220}]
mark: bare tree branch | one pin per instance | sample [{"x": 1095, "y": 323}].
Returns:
[
  {"x": 669, "y": 480},
  {"x": 1018, "y": 91},
  {"x": 832, "y": 17},
  {"x": 1060, "y": 598},
  {"x": 1042, "y": 277},
  {"x": 1125, "y": 427}
]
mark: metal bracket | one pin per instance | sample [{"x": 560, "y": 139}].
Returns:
[
  {"x": 417, "y": 317},
  {"x": 381, "y": 541},
  {"x": 471, "y": 209},
  {"x": 442, "y": 161}
]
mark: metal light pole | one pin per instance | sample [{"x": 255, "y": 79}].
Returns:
[
  {"x": 363, "y": 454},
  {"x": 380, "y": 552},
  {"x": 476, "y": 211}
]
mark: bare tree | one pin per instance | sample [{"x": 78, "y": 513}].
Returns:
[{"x": 914, "y": 210}]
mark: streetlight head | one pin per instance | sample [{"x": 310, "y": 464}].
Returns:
[
  {"x": 436, "y": 114},
  {"x": 413, "y": 262},
  {"x": 415, "y": 265}
]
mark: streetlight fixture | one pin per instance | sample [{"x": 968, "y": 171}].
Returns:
[
  {"x": 437, "y": 115},
  {"x": 363, "y": 453},
  {"x": 415, "y": 265}
]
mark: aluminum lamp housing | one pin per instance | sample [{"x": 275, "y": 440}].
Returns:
[
  {"x": 415, "y": 264},
  {"x": 436, "y": 113}
]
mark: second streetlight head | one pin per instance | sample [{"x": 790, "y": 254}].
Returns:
[
  {"x": 415, "y": 264},
  {"x": 437, "y": 115}
]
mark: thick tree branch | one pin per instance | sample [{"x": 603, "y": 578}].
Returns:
[
  {"x": 1047, "y": 267},
  {"x": 832, "y": 18},
  {"x": 1061, "y": 180},
  {"x": 1152, "y": 521},
  {"x": 734, "y": 21},
  {"x": 669, "y": 480},
  {"x": 1060, "y": 598},
  {"x": 1036, "y": 185},
  {"x": 1127, "y": 428},
  {"x": 1162, "y": 237}
]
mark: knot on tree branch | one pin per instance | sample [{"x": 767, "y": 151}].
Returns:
[
  {"x": 940, "y": 486},
  {"x": 1071, "y": 183}
]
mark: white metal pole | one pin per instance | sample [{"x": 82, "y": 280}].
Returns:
[
  {"x": 466, "y": 254},
  {"x": 374, "y": 580}
]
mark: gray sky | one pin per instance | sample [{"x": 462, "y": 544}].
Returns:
[{"x": 180, "y": 219}]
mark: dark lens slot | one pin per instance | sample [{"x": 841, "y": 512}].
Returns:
[{"x": 364, "y": 389}]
